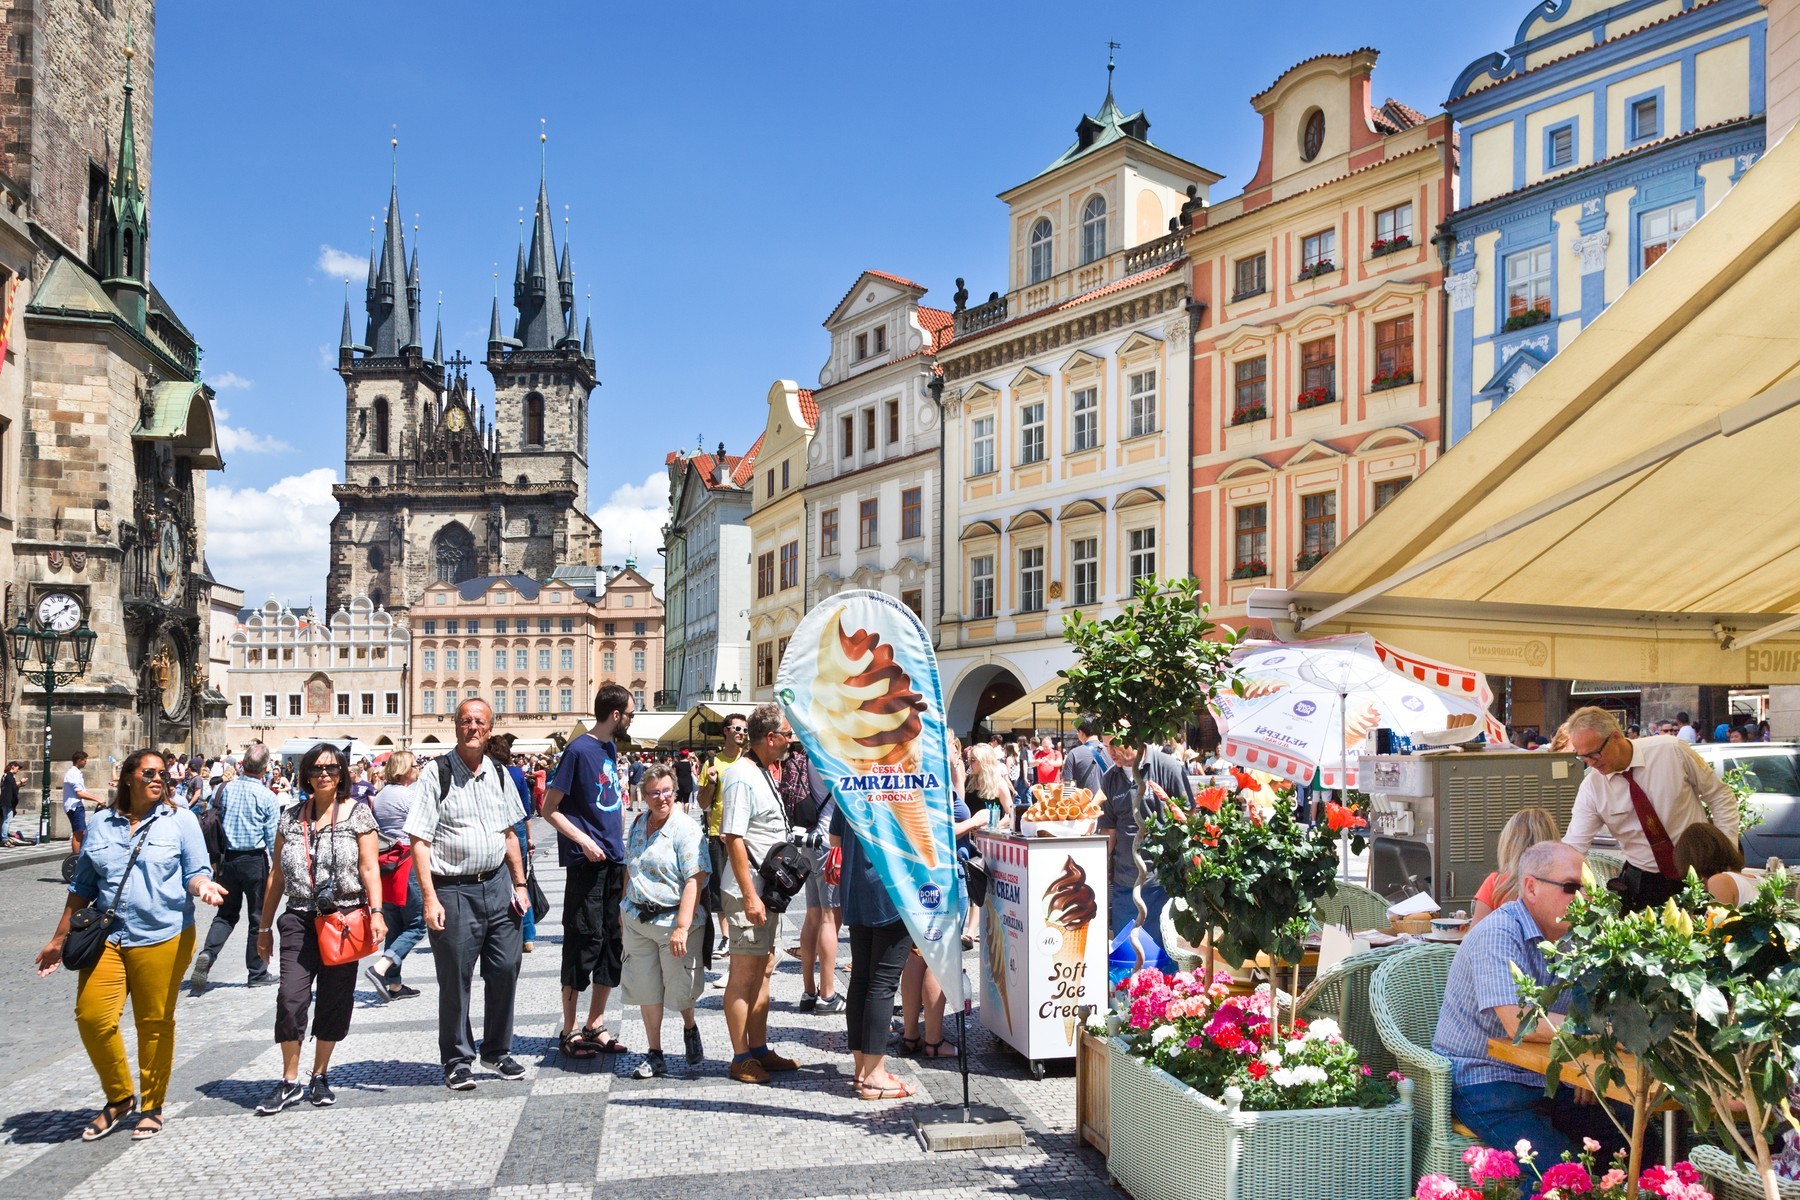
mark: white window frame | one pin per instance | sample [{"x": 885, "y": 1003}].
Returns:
[
  {"x": 429, "y": 660},
  {"x": 565, "y": 699},
  {"x": 521, "y": 659},
  {"x": 543, "y": 658},
  {"x": 1031, "y": 579},
  {"x": 520, "y": 696},
  {"x": 1041, "y": 251},
  {"x": 1140, "y": 403},
  {"x": 981, "y": 586},
  {"x": 982, "y": 446},
  {"x": 637, "y": 662},
  {"x": 428, "y": 700},
  {"x": 1529, "y": 273},
  {"x": 1034, "y": 440},
  {"x": 565, "y": 658},
  {"x": 1395, "y": 221},
  {"x": 607, "y": 661},
  {"x": 1084, "y": 570},
  {"x": 499, "y": 701},
  {"x": 1093, "y": 229},
  {"x": 1319, "y": 247},
  {"x": 500, "y": 658},
  {"x": 543, "y": 697},
  {"x": 1674, "y": 228},
  {"x": 1084, "y": 411},
  {"x": 1140, "y": 561}
]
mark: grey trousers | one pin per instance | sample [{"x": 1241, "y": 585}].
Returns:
[{"x": 480, "y": 926}]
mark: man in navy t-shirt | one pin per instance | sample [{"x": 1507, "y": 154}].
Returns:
[{"x": 583, "y": 802}]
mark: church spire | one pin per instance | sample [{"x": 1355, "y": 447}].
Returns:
[
  {"x": 541, "y": 324},
  {"x": 393, "y": 295},
  {"x": 437, "y": 341},
  {"x": 346, "y": 340},
  {"x": 125, "y": 223}
]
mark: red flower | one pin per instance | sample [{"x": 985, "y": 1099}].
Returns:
[
  {"x": 1212, "y": 836},
  {"x": 1210, "y": 798},
  {"x": 1338, "y": 816},
  {"x": 1246, "y": 782},
  {"x": 1175, "y": 811},
  {"x": 1256, "y": 1069}
]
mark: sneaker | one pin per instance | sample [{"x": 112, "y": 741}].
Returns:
[
  {"x": 198, "y": 980},
  {"x": 506, "y": 1066},
  {"x": 749, "y": 1071},
  {"x": 459, "y": 1078},
  {"x": 263, "y": 980},
  {"x": 772, "y": 1061},
  {"x": 807, "y": 1003},
  {"x": 378, "y": 977},
  {"x": 285, "y": 1092},
  {"x": 690, "y": 1038},
  {"x": 320, "y": 1093},
  {"x": 402, "y": 992},
  {"x": 831, "y": 1004},
  {"x": 653, "y": 1066}
]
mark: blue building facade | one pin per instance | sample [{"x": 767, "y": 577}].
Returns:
[{"x": 1588, "y": 148}]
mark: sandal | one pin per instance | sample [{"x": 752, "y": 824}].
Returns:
[
  {"x": 910, "y": 1045},
  {"x": 936, "y": 1049},
  {"x": 108, "y": 1119},
  {"x": 894, "y": 1093},
  {"x": 603, "y": 1042},
  {"x": 572, "y": 1046},
  {"x": 149, "y": 1125}
]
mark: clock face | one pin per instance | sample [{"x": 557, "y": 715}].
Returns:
[
  {"x": 59, "y": 611},
  {"x": 168, "y": 562},
  {"x": 454, "y": 420}
]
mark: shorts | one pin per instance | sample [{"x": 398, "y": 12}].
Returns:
[
  {"x": 592, "y": 944},
  {"x": 77, "y": 819},
  {"x": 820, "y": 894},
  {"x": 745, "y": 937},
  {"x": 655, "y": 976}
]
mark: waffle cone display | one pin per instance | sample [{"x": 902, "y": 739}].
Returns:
[{"x": 1056, "y": 802}]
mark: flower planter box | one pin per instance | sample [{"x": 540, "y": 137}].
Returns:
[
  {"x": 1168, "y": 1142},
  {"x": 1093, "y": 1098}
]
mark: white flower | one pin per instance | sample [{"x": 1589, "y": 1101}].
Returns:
[
  {"x": 1324, "y": 1030},
  {"x": 1283, "y": 1077},
  {"x": 1310, "y": 1074},
  {"x": 1296, "y": 1046},
  {"x": 1522, "y": 1148},
  {"x": 1163, "y": 1033},
  {"x": 1271, "y": 1058}
]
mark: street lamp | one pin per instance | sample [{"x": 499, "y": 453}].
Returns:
[{"x": 48, "y": 643}]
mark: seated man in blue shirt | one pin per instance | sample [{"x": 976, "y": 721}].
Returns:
[{"x": 1500, "y": 1102}]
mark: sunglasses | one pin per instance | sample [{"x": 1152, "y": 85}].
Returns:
[
  {"x": 153, "y": 775},
  {"x": 326, "y": 769},
  {"x": 1569, "y": 886}
]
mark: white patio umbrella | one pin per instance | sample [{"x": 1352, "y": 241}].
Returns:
[{"x": 1309, "y": 707}]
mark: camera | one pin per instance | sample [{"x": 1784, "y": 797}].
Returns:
[
  {"x": 806, "y": 839},
  {"x": 325, "y": 898}
]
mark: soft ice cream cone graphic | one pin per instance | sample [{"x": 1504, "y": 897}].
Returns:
[
  {"x": 866, "y": 712},
  {"x": 993, "y": 940},
  {"x": 1070, "y": 907}
]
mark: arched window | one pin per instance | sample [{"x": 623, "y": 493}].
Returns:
[
  {"x": 381, "y": 425},
  {"x": 376, "y": 595},
  {"x": 130, "y": 252},
  {"x": 453, "y": 554},
  {"x": 376, "y": 558},
  {"x": 1093, "y": 229},
  {"x": 1040, "y": 250},
  {"x": 424, "y": 417},
  {"x": 362, "y": 425},
  {"x": 534, "y": 420}
]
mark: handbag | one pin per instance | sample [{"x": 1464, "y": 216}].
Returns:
[
  {"x": 92, "y": 926},
  {"x": 784, "y": 869},
  {"x": 540, "y": 903},
  {"x": 975, "y": 875},
  {"x": 345, "y": 934}
]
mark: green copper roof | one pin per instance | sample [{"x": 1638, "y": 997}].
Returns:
[
  {"x": 182, "y": 413},
  {"x": 1105, "y": 127},
  {"x": 68, "y": 288}
]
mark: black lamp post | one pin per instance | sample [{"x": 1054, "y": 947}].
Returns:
[{"x": 25, "y": 639}]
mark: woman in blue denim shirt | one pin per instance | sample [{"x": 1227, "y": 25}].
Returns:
[{"x": 147, "y": 958}]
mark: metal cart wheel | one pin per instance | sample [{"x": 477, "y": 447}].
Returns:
[{"x": 1037, "y": 1069}]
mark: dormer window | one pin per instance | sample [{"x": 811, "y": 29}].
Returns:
[
  {"x": 862, "y": 346},
  {"x": 1093, "y": 229},
  {"x": 1040, "y": 250},
  {"x": 879, "y": 336}
]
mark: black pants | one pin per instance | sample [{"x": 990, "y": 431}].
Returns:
[
  {"x": 243, "y": 874},
  {"x": 480, "y": 926},
  {"x": 878, "y": 956},
  {"x": 305, "y": 979},
  {"x": 1640, "y": 889},
  {"x": 593, "y": 949}
]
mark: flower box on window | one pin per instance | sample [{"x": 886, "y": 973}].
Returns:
[
  {"x": 1254, "y": 568},
  {"x": 1306, "y": 560},
  {"x": 1390, "y": 379},
  {"x": 1381, "y": 246},
  {"x": 1323, "y": 267},
  {"x": 1253, "y": 412},
  {"x": 1526, "y": 319},
  {"x": 1314, "y": 397}
]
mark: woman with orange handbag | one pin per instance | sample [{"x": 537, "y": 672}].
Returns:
[{"x": 325, "y": 864}]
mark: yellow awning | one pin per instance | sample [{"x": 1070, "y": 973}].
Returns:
[
  {"x": 1034, "y": 710},
  {"x": 1628, "y": 513}
]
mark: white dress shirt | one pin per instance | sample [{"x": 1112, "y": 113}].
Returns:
[{"x": 1682, "y": 789}]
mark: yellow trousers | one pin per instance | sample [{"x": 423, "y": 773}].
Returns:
[{"x": 151, "y": 976}]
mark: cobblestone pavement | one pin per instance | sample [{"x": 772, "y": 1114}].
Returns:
[{"x": 567, "y": 1131}]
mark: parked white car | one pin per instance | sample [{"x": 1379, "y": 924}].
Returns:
[{"x": 1775, "y": 769}]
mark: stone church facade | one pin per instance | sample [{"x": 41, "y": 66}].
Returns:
[{"x": 437, "y": 489}]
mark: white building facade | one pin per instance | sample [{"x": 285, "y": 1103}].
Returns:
[
  {"x": 294, "y": 675},
  {"x": 710, "y": 510},
  {"x": 778, "y": 530},
  {"x": 1066, "y": 407}
]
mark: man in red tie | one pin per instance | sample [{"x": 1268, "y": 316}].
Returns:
[{"x": 1645, "y": 793}]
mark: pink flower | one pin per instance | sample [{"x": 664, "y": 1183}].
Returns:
[
  {"x": 1436, "y": 1187},
  {"x": 1656, "y": 1179},
  {"x": 1684, "y": 1171},
  {"x": 1196, "y": 1042},
  {"x": 1568, "y": 1177},
  {"x": 1485, "y": 1165},
  {"x": 1614, "y": 1178},
  {"x": 1590, "y": 1145}
]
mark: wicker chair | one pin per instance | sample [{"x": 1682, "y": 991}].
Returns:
[
  {"x": 1604, "y": 866},
  {"x": 1342, "y": 993},
  {"x": 1727, "y": 1180},
  {"x": 1354, "y": 907},
  {"x": 1407, "y": 993}
]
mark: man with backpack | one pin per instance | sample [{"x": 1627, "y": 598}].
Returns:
[{"x": 243, "y": 817}]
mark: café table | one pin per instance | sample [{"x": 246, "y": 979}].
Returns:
[{"x": 1535, "y": 1057}]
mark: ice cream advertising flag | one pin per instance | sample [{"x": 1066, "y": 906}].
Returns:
[{"x": 860, "y": 686}]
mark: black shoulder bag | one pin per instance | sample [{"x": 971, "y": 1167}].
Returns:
[
  {"x": 90, "y": 927},
  {"x": 784, "y": 868}
]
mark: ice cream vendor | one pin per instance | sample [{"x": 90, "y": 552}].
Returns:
[{"x": 1119, "y": 822}]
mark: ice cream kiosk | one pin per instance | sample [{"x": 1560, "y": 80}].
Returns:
[{"x": 1043, "y": 935}]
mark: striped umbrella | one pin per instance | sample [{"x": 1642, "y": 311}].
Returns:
[{"x": 1309, "y": 708}]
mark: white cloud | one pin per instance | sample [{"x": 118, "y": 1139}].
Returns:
[
  {"x": 232, "y": 440},
  {"x": 340, "y": 264},
  {"x": 273, "y": 541},
  {"x": 631, "y": 522},
  {"x": 227, "y": 381}
]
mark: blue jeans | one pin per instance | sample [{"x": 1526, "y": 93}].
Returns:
[
  {"x": 406, "y": 926},
  {"x": 1121, "y": 911},
  {"x": 529, "y": 933},
  {"x": 1502, "y": 1113}
]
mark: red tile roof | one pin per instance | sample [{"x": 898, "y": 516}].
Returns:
[
  {"x": 740, "y": 466},
  {"x": 1394, "y": 117},
  {"x": 939, "y": 324},
  {"x": 1167, "y": 268},
  {"x": 745, "y": 467},
  {"x": 887, "y": 275},
  {"x": 809, "y": 408},
  {"x": 1313, "y": 59}
]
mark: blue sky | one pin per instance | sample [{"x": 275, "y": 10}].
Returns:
[{"x": 728, "y": 170}]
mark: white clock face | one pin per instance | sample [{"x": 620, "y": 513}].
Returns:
[{"x": 59, "y": 611}]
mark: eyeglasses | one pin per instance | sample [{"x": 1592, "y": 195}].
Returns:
[
  {"x": 1569, "y": 886},
  {"x": 785, "y": 733},
  {"x": 661, "y": 793},
  {"x": 1593, "y": 756},
  {"x": 325, "y": 769},
  {"x": 153, "y": 775}
]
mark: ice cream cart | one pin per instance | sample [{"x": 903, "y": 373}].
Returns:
[{"x": 1043, "y": 935}]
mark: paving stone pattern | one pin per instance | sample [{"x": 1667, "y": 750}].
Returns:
[{"x": 567, "y": 1131}]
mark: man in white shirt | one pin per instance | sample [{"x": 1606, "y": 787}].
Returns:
[
  {"x": 752, "y": 823},
  {"x": 1686, "y": 732},
  {"x": 76, "y": 798},
  {"x": 1645, "y": 793}
]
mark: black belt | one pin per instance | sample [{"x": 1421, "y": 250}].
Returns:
[
  {"x": 452, "y": 880},
  {"x": 258, "y": 850}
]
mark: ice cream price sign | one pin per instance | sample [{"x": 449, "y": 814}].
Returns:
[{"x": 1044, "y": 940}]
